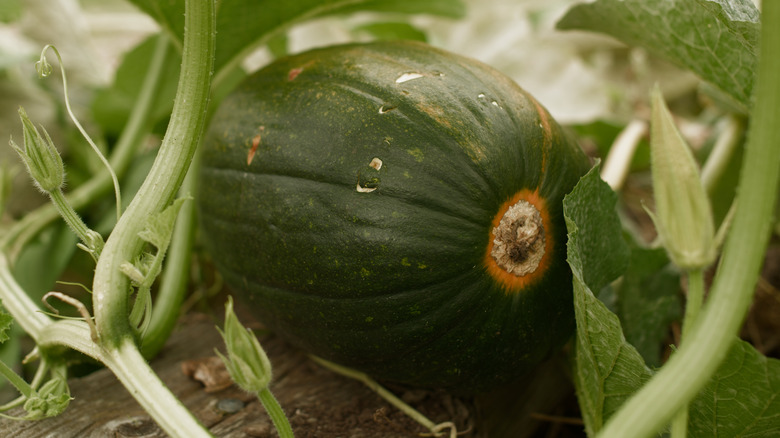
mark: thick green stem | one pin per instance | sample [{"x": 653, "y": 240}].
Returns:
[
  {"x": 679, "y": 427},
  {"x": 70, "y": 333},
  {"x": 714, "y": 331},
  {"x": 692, "y": 308},
  {"x": 695, "y": 299},
  {"x": 175, "y": 277},
  {"x": 111, "y": 287},
  {"x": 276, "y": 413},
  {"x": 25, "y": 312},
  {"x": 135, "y": 374}
]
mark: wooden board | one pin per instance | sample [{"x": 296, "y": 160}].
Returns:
[{"x": 318, "y": 402}]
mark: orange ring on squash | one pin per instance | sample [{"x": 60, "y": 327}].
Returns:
[{"x": 511, "y": 282}]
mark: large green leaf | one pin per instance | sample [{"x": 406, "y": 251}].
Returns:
[
  {"x": 716, "y": 39},
  {"x": 112, "y": 106},
  {"x": 648, "y": 301},
  {"x": 597, "y": 251},
  {"x": 741, "y": 400},
  {"x": 607, "y": 369},
  {"x": 243, "y": 25},
  {"x": 43, "y": 260}
]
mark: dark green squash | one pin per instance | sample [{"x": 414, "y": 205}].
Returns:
[{"x": 353, "y": 197}]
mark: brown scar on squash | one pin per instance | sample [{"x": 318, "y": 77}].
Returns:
[
  {"x": 255, "y": 143},
  {"x": 294, "y": 72}
]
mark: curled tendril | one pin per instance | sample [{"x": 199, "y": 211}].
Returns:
[{"x": 43, "y": 67}]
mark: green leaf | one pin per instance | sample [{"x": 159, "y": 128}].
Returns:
[
  {"x": 742, "y": 397},
  {"x": 5, "y": 323},
  {"x": 649, "y": 301},
  {"x": 278, "y": 45},
  {"x": 716, "y": 39},
  {"x": 42, "y": 261},
  {"x": 10, "y": 346},
  {"x": 391, "y": 31},
  {"x": 243, "y": 25},
  {"x": 445, "y": 8},
  {"x": 10, "y": 10},
  {"x": 597, "y": 250},
  {"x": 607, "y": 369},
  {"x": 741, "y": 400},
  {"x": 159, "y": 227},
  {"x": 111, "y": 106},
  {"x": 157, "y": 231}
]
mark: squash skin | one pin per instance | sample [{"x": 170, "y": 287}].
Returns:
[{"x": 382, "y": 268}]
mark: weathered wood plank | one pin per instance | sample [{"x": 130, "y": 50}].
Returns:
[{"x": 318, "y": 402}]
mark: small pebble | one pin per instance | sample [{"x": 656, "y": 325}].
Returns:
[{"x": 230, "y": 405}]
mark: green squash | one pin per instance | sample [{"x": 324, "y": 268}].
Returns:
[{"x": 396, "y": 209}]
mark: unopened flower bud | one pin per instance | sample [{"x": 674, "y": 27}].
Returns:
[
  {"x": 683, "y": 215},
  {"x": 42, "y": 159},
  {"x": 48, "y": 401},
  {"x": 247, "y": 362}
]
